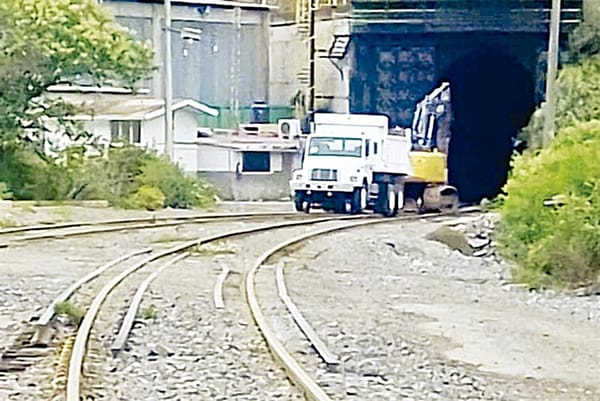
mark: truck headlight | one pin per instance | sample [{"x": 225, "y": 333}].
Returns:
[{"x": 353, "y": 179}]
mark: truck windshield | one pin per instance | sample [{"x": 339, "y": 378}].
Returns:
[{"x": 330, "y": 146}]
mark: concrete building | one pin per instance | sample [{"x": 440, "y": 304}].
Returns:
[
  {"x": 225, "y": 65},
  {"x": 220, "y": 67}
]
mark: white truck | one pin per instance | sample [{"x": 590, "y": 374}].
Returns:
[{"x": 351, "y": 163}]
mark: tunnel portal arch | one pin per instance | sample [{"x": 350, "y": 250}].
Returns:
[{"x": 492, "y": 98}]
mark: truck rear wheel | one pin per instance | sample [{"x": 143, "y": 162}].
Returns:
[
  {"x": 359, "y": 200},
  {"x": 389, "y": 199},
  {"x": 392, "y": 202}
]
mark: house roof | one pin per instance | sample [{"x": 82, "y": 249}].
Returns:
[
  {"x": 110, "y": 106},
  {"x": 251, "y": 143}
]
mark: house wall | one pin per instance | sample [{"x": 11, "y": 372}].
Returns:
[
  {"x": 98, "y": 128},
  {"x": 185, "y": 128},
  {"x": 212, "y": 158},
  {"x": 246, "y": 186},
  {"x": 153, "y": 134},
  {"x": 186, "y": 155}
]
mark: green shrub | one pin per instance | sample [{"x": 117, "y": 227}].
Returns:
[
  {"x": 181, "y": 191},
  {"x": 118, "y": 178},
  {"x": 146, "y": 197},
  {"x": 122, "y": 168},
  {"x": 148, "y": 313},
  {"x": 578, "y": 86},
  {"x": 4, "y": 192},
  {"x": 557, "y": 244}
]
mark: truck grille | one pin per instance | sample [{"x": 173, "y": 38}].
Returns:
[{"x": 323, "y": 174}]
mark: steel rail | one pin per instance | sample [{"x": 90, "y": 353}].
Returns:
[
  {"x": 218, "y": 289},
  {"x": 209, "y": 216},
  {"x": 295, "y": 372},
  {"x": 66, "y": 294},
  {"x": 293, "y": 369},
  {"x": 78, "y": 352},
  {"x": 196, "y": 220},
  {"x": 121, "y": 338},
  {"x": 328, "y": 357}
]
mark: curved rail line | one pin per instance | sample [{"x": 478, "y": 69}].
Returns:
[
  {"x": 152, "y": 219},
  {"x": 131, "y": 224},
  {"x": 66, "y": 294},
  {"x": 293, "y": 369},
  {"x": 79, "y": 347}
]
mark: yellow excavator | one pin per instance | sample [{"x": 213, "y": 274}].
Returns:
[{"x": 427, "y": 188}]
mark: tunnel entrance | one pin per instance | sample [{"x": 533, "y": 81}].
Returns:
[{"x": 492, "y": 98}]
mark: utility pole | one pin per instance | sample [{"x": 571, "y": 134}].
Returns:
[
  {"x": 168, "y": 84},
  {"x": 311, "y": 51},
  {"x": 550, "y": 106}
]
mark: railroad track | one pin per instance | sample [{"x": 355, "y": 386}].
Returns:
[
  {"x": 16, "y": 235},
  {"x": 74, "y": 383},
  {"x": 75, "y": 347},
  {"x": 295, "y": 372}
]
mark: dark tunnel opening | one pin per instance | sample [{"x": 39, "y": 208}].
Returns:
[{"x": 492, "y": 98}]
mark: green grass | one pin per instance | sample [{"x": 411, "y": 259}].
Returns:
[
  {"x": 8, "y": 223},
  {"x": 148, "y": 313},
  {"x": 70, "y": 310}
]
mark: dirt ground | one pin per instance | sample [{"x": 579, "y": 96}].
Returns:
[{"x": 411, "y": 318}]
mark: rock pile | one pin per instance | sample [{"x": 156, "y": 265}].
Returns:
[
  {"x": 480, "y": 234},
  {"x": 472, "y": 236}
]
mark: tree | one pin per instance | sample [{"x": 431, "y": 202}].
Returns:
[{"x": 45, "y": 42}]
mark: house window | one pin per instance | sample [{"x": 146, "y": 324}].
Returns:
[
  {"x": 126, "y": 131},
  {"x": 256, "y": 162}
]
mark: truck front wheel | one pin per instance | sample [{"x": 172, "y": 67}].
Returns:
[
  {"x": 359, "y": 200},
  {"x": 299, "y": 203}
]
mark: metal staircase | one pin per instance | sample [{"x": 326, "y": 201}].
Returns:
[
  {"x": 303, "y": 25},
  {"x": 305, "y": 19}
]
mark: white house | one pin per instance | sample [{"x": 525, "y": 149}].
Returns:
[
  {"x": 139, "y": 120},
  {"x": 242, "y": 167}
]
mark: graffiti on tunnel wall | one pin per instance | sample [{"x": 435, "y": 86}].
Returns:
[{"x": 395, "y": 82}]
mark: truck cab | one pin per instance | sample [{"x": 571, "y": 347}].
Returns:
[{"x": 348, "y": 161}]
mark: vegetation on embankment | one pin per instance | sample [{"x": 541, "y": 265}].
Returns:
[
  {"x": 127, "y": 177},
  {"x": 551, "y": 213},
  {"x": 47, "y": 42}
]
